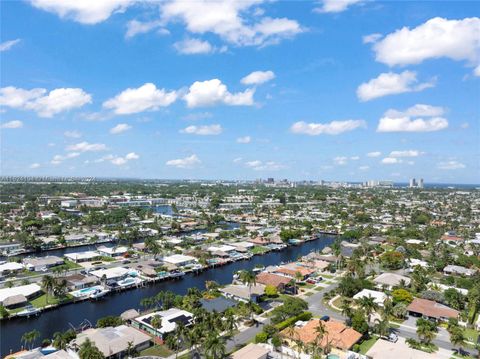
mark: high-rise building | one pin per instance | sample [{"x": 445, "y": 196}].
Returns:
[
  {"x": 420, "y": 183},
  {"x": 413, "y": 183}
]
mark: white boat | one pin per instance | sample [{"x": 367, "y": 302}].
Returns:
[
  {"x": 98, "y": 293},
  {"x": 29, "y": 311}
]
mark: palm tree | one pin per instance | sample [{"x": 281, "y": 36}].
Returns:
[
  {"x": 457, "y": 338},
  {"x": 215, "y": 346},
  {"x": 231, "y": 325},
  {"x": 60, "y": 287},
  {"x": 156, "y": 323},
  {"x": 320, "y": 333},
  {"x": 131, "y": 351},
  {"x": 48, "y": 283},
  {"x": 382, "y": 327},
  {"x": 88, "y": 350},
  {"x": 369, "y": 306},
  {"x": 60, "y": 340},
  {"x": 30, "y": 338},
  {"x": 346, "y": 308},
  {"x": 426, "y": 330},
  {"x": 387, "y": 310},
  {"x": 152, "y": 246},
  {"x": 248, "y": 278}
]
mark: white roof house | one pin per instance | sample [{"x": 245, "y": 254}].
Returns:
[
  {"x": 413, "y": 262},
  {"x": 452, "y": 269},
  {"x": 170, "y": 320},
  {"x": 179, "y": 259},
  {"x": 112, "y": 341},
  {"x": 82, "y": 256},
  {"x": 244, "y": 244},
  {"x": 222, "y": 248},
  {"x": 110, "y": 273},
  {"x": 25, "y": 290},
  {"x": 377, "y": 296},
  {"x": 11, "y": 266},
  {"x": 391, "y": 279},
  {"x": 113, "y": 251}
]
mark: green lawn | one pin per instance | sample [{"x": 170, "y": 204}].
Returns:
[
  {"x": 471, "y": 335},
  {"x": 41, "y": 301},
  {"x": 157, "y": 350},
  {"x": 258, "y": 250},
  {"x": 367, "y": 344},
  {"x": 309, "y": 294},
  {"x": 338, "y": 302}
]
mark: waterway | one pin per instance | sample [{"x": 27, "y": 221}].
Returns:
[{"x": 61, "y": 318}]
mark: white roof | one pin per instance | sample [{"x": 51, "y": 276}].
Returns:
[
  {"x": 391, "y": 279},
  {"x": 113, "y": 250},
  {"x": 10, "y": 266},
  {"x": 178, "y": 259},
  {"x": 110, "y": 273},
  {"x": 168, "y": 317},
  {"x": 222, "y": 248},
  {"x": 82, "y": 255},
  {"x": 378, "y": 297},
  {"x": 25, "y": 290},
  {"x": 244, "y": 244}
]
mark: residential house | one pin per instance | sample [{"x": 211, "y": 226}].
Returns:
[
  {"x": 243, "y": 293},
  {"x": 390, "y": 280},
  {"x": 430, "y": 309},
  {"x": 170, "y": 319}
]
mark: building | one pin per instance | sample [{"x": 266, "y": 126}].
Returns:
[
  {"x": 28, "y": 291},
  {"x": 390, "y": 280},
  {"x": 219, "y": 304},
  {"x": 430, "y": 309},
  {"x": 251, "y": 351},
  {"x": 339, "y": 335},
  {"x": 114, "y": 341},
  {"x": 11, "y": 267},
  {"x": 113, "y": 251},
  {"x": 180, "y": 260},
  {"x": 413, "y": 183},
  {"x": 86, "y": 256},
  {"x": 243, "y": 293},
  {"x": 42, "y": 263},
  {"x": 458, "y": 270},
  {"x": 170, "y": 319},
  {"x": 378, "y": 297}
]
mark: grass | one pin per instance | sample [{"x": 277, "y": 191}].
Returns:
[
  {"x": 367, "y": 344},
  {"x": 309, "y": 294},
  {"x": 41, "y": 301},
  {"x": 471, "y": 334},
  {"x": 258, "y": 250},
  {"x": 157, "y": 350},
  {"x": 338, "y": 302}
]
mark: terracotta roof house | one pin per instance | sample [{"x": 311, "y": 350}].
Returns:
[
  {"x": 339, "y": 335},
  {"x": 291, "y": 270},
  {"x": 278, "y": 281},
  {"x": 431, "y": 309}
]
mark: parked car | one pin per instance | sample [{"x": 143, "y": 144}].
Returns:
[
  {"x": 325, "y": 318},
  {"x": 392, "y": 338}
]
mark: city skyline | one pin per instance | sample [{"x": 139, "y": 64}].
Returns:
[{"x": 342, "y": 91}]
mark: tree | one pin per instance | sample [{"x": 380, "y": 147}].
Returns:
[
  {"x": 271, "y": 291},
  {"x": 368, "y": 305},
  {"x": 30, "y": 338},
  {"x": 402, "y": 296},
  {"x": 88, "y": 350},
  {"x": 426, "y": 330},
  {"x": 109, "y": 321},
  {"x": 392, "y": 260},
  {"x": 359, "y": 323},
  {"x": 48, "y": 283},
  {"x": 215, "y": 346},
  {"x": 249, "y": 279},
  {"x": 131, "y": 351},
  {"x": 382, "y": 327},
  {"x": 156, "y": 323}
]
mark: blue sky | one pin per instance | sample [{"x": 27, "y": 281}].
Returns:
[{"x": 335, "y": 90}]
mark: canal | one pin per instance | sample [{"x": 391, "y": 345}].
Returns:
[{"x": 61, "y": 318}]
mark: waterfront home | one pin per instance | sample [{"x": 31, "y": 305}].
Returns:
[
  {"x": 170, "y": 319},
  {"x": 243, "y": 246},
  {"x": 80, "y": 281},
  {"x": 243, "y": 292},
  {"x": 219, "y": 304},
  {"x": 112, "y": 251},
  {"x": 378, "y": 297},
  {"x": 390, "y": 280},
  {"x": 180, "y": 260},
  {"x": 10, "y": 248},
  {"x": 111, "y": 274},
  {"x": 11, "y": 268},
  {"x": 339, "y": 336},
  {"x": 458, "y": 270},
  {"x": 29, "y": 291},
  {"x": 42, "y": 263},
  {"x": 430, "y": 309},
  {"x": 75, "y": 238},
  {"x": 251, "y": 351},
  {"x": 291, "y": 270},
  {"x": 114, "y": 341},
  {"x": 79, "y": 257},
  {"x": 280, "y": 282}
]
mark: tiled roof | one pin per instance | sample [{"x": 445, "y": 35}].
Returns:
[
  {"x": 431, "y": 309},
  {"x": 272, "y": 279}
]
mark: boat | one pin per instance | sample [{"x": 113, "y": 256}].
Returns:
[
  {"x": 29, "y": 311},
  {"x": 98, "y": 293}
]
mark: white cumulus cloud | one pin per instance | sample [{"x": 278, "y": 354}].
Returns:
[
  {"x": 335, "y": 6},
  {"x": 187, "y": 162},
  {"x": 207, "y": 130},
  {"x": 34, "y": 165},
  {"x": 43, "y": 103},
  {"x": 374, "y": 154},
  {"x": 406, "y": 153},
  {"x": 72, "y": 134},
  {"x": 332, "y": 128},
  {"x": 84, "y": 11},
  {"x": 244, "y": 139},
  {"x": 121, "y": 127},
  {"x": 450, "y": 165},
  {"x": 87, "y": 147},
  {"x": 190, "y": 46},
  {"x": 135, "y": 27},
  {"x": 12, "y": 124},
  {"x": 143, "y": 98},
  {"x": 258, "y": 165},
  {"x": 258, "y": 77},
  {"x": 438, "y": 37},
  {"x": 391, "y": 83},
  {"x": 391, "y": 160},
  {"x": 212, "y": 92},
  {"x": 418, "y": 118}
]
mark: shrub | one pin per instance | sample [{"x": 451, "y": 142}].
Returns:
[
  {"x": 271, "y": 291},
  {"x": 305, "y": 316},
  {"x": 261, "y": 337},
  {"x": 402, "y": 296}
]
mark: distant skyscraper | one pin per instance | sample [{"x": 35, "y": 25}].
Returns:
[
  {"x": 420, "y": 183},
  {"x": 413, "y": 183}
]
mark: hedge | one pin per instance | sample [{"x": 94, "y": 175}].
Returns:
[{"x": 288, "y": 322}]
